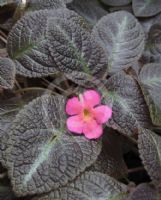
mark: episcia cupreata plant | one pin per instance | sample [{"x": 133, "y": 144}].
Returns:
[{"x": 80, "y": 105}]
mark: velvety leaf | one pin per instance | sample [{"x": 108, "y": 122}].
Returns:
[
  {"x": 116, "y": 2},
  {"x": 146, "y": 8},
  {"x": 122, "y": 38},
  {"x": 9, "y": 108},
  {"x": 7, "y": 73},
  {"x": 47, "y": 4},
  {"x": 149, "y": 145},
  {"x": 91, "y": 185},
  {"x": 153, "y": 46},
  {"x": 28, "y": 45},
  {"x": 110, "y": 161},
  {"x": 6, "y": 193},
  {"x": 41, "y": 154},
  {"x": 91, "y": 10},
  {"x": 143, "y": 192},
  {"x": 130, "y": 111},
  {"x": 73, "y": 48},
  {"x": 150, "y": 80}
]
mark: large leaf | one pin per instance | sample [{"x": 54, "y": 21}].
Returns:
[
  {"x": 149, "y": 145},
  {"x": 122, "y": 38},
  {"x": 116, "y": 2},
  {"x": 150, "y": 80},
  {"x": 41, "y": 154},
  {"x": 91, "y": 10},
  {"x": 146, "y": 8},
  {"x": 153, "y": 47},
  {"x": 143, "y": 192},
  {"x": 130, "y": 111},
  {"x": 9, "y": 108},
  {"x": 110, "y": 161},
  {"x": 90, "y": 186},
  {"x": 73, "y": 48},
  {"x": 47, "y": 4},
  {"x": 28, "y": 45},
  {"x": 7, "y": 73}
]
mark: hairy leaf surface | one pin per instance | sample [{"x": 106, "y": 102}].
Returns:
[
  {"x": 91, "y": 185},
  {"x": 73, "y": 48},
  {"x": 153, "y": 47},
  {"x": 116, "y": 2},
  {"x": 7, "y": 73},
  {"x": 146, "y": 8},
  {"x": 143, "y": 192},
  {"x": 122, "y": 38},
  {"x": 130, "y": 111},
  {"x": 150, "y": 80},
  {"x": 91, "y": 10},
  {"x": 149, "y": 145},
  {"x": 47, "y": 4},
  {"x": 42, "y": 155},
  {"x": 28, "y": 45}
]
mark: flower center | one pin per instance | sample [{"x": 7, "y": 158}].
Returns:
[{"x": 86, "y": 114}]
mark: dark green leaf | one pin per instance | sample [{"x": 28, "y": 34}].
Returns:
[
  {"x": 7, "y": 73},
  {"x": 91, "y": 10},
  {"x": 116, "y": 2},
  {"x": 90, "y": 186},
  {"x": 149, "y": 145},
  {"x": 146, "y": 8},
  {"x": 130, "y": 111},
  {"x": 143, "y": 192},
  {"x": 41, "y": 154},
  {"x": 150, "y": 80},
  {"x": 122, "y": 38}
]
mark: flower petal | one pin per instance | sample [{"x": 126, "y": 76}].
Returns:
[
  {"x": 102, "y": 114},
  {"x": 73, "y": 106},
  {"x": 75, "y": 124},
  {"x": 92, "y": 130},
  {"x": 91, "y": 97}
]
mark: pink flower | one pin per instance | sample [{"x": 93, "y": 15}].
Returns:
[{"x": 85, "y": 117}]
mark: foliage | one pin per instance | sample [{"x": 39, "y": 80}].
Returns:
[{"x": 54, "y": 50}]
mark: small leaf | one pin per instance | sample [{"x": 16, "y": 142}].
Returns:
[
  {"x": 150, "y": 81},
  {"x": 143, "y": 192},
  {"x": 149, "y": 145},
  {"x": 41, "y": 154},
  {"x": 7, "y": 73},
  {"x": 130, "y": 111},
  {"x": 146, "y": 8},
  {"x": 122, "y": 38},
  {"x": 116, "y": 2},
  {"x": 73, "y": 48},
  {"x": 91, "y": 185},
  {"x": 91, "y": 10}
]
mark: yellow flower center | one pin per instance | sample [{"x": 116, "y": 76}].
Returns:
[{"x": 86, "y": 114}]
